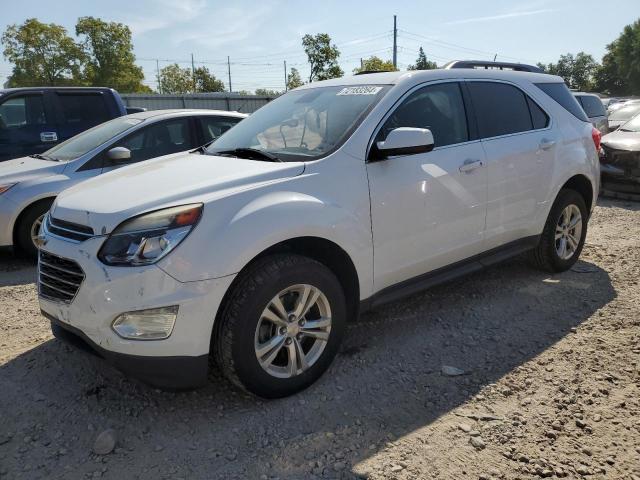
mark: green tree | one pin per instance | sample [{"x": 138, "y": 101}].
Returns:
[
  {"x": 294, "y": 80},
  {"x": 176, "y": 80},
  {"x": 205, "y": 81},
  {"x": 110, "y": 61},
  {"x": 422, "y": 63},
  {"x": 375, "y": 64},
  {"x": 323, "y": 57},
  {"x": 620, "y": 70},
  {"x": 578, "y": 71},
  {"x": 42, "y": 54},
  {"x": 265, "y": 92}
]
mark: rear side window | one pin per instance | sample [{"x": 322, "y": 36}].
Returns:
[
  {"x": 439, "y": 108},
  {"x": 561, "y": 94},
  {"x": 22, "y": 111},
  {"x": 501, "y": 109},
  {"x": 539, "y": 118},
  {"x": 83, "y": 110},
  {"x": 592, "y": 106},
  {"x": 213, "y": 127}
]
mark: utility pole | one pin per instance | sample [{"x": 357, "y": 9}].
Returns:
[
  {"x": 193, "y": 74},
  {"x": 158, "y": 75},
  {"x": 229, "y": 71},
  {"x": 395, "y": 44},
  {"x": 361, "y": 65},
  {"x": 286, "y": 80}
]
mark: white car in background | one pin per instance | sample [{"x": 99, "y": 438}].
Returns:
[
  {"x": 29, "y": 185},
  {"x": 258, "y": 250}
]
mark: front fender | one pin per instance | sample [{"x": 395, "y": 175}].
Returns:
[{"x": 223, "y": 244}]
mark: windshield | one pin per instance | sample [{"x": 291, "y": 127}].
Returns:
[
  {"x": 303, "y": 124},
  {"x": 86, "y": 141},
  {"x": 632, "y": 125},
  {"x": 625, "y": 113}
]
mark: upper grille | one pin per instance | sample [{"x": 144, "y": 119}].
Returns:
[
  {"x": 58, "y": 278},
  {"x": 68, "y": 230}
]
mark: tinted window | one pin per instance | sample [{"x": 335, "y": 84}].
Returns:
[
  {"x": 539, "y": 118},
  {"x": 213, "y": 127},
  {"x": 561, "y": 94},
  {"x": 159, "y": 139},
  {"x": 592, "y": 106},
  {"x": 22, "y": 111},
  {"x": 439, "y": 108},
  {"x": 85, "y": 110},
  {"x": 501, "y": 109},
  {"x": 90, "y": 139}
]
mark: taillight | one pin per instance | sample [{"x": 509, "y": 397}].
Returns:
[{"x": 596, "y": 136}]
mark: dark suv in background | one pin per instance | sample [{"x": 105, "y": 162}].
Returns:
[{"x": 32, "y": 120}]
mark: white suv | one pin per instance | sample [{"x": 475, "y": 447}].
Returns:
[{"x": 335, "y": 197}]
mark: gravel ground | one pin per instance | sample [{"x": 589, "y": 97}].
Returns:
[{"x": 509, "y": 373}]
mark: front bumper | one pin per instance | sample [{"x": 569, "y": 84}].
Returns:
[{"x": 107, "y": 292}]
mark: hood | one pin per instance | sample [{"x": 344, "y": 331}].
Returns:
[
  {"x": 105, "y": 201},
  {"x": 613, "y": 124},
  {"x": 27, "y": 168},
  {"x": 619, "y": 140}
]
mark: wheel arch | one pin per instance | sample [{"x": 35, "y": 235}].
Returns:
[
  {"x": 320, "y": 249},
  {"x": 23, "y": 212},
  {"x": 581, "y": 184}
]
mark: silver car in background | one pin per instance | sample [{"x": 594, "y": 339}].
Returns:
[
  {"x": 595, "y": 110},
  {"x": 626, "y": 112},
  {"x": 29, "y": 185}
]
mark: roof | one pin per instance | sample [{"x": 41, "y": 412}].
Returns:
[
  {"x": 93, "y": 89},
  {"x": 419, "y": 76},
  {"x": 177, "y": 112}
]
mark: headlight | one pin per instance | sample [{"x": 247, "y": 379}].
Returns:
[
  {"x": 146, "y": 239},
  {"x": 5, "y": 187}
]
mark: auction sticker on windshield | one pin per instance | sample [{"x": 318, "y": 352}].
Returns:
[{"x": 362, "y": 90}]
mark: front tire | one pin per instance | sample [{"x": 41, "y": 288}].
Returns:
[
  {"x": 564, "y": 233},
  {"x": 281, "y": 327},
  {"x": 28, "y": 228}
]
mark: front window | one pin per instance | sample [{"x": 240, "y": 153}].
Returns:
[
  {"x": 303, "y": 124},
  {"x": 22, "y": 111},
  {"x": 86, "y": 141},
  {"x": 632, "y": 125},
  {"x": 625, "y": 113}
]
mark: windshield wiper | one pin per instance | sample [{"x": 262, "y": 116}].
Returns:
[
  {"x": 250, "y": 153},
  {"x": 42, "y": 157}
]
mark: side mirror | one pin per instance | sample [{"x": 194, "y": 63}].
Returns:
[
  {"x": 119, "y": 155},
  {"x": 405, "y": 141}
]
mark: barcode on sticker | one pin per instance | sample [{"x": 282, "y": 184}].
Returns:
[{"x": 363, "y": 90}]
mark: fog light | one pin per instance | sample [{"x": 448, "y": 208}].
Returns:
[{"x": 152, "y": 324}]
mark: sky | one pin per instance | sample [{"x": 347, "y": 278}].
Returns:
[{"x": 259, "y": 36}]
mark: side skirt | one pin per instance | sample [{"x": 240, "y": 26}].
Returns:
[{"x": 449, "y": 273}]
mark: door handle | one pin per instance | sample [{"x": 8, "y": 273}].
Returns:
[
  {"x": 470, "y": 165},
  {"x": 46, "y": 137},
  {"x": 546, "y": 144}
]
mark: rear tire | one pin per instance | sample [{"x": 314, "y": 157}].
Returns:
[
  {"x": 27, "y": 226},
  {"x": 564, "y": 233},
  {"x": 281, "y": 327}
]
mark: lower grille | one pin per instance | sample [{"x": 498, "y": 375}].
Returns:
[{"x": 58, "y": 278}]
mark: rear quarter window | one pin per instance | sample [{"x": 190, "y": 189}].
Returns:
[{"x": 561, "y": 94}]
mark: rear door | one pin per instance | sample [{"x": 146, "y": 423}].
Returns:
[
  {"x": 520, "y": 147},
  {"x": 79, "y": 110},
  {"x": 26, "y": 125}
]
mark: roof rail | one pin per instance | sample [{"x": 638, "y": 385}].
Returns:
[{"x": 482, "y": 64}]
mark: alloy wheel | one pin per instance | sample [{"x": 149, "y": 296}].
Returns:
[
  {"x": 293, "y": 331},
  {"x": 568, "y": 232}
]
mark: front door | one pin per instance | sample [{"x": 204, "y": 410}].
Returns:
[{"x": 428, "y": 210}]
